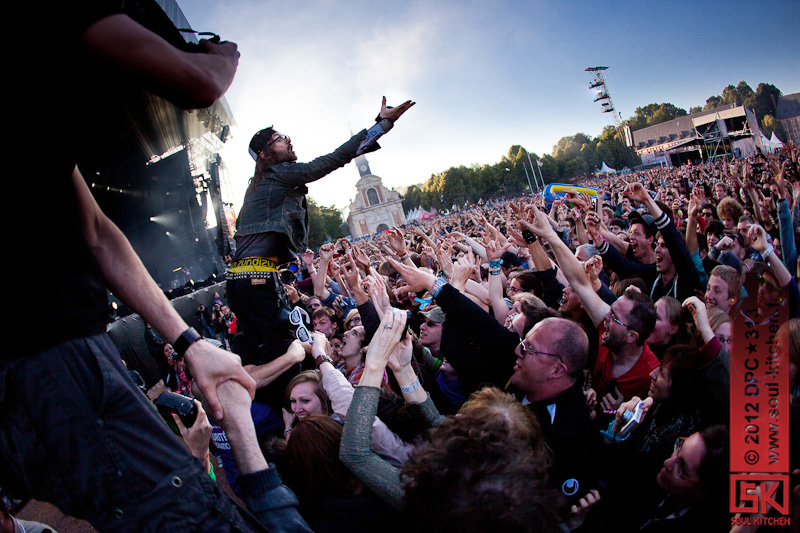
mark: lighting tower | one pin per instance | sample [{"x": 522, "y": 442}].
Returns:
[{"x": 604, "y": 97}]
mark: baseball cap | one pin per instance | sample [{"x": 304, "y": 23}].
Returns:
[
  {"x": 635, "y": 217},
  {"x": 259, "y": 141},
  {"x": 434, "y": 315}
]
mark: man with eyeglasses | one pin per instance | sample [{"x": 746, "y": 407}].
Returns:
[
  {"x": 624, "y": 361},
  {"x": 272, "y": 229},
  {"x": 548, "y": 374}
]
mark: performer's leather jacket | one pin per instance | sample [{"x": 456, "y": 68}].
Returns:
[{"x": 277, "y": 200}]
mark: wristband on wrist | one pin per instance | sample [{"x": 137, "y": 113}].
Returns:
[
  {"x": 529, "y": 236},
  {"x": 411, "y": 388},
  {"x": 186, "y": 339},
  {"x": 495, "y": 263},
  {"x": 768, "y": 252},
  {"x": 405, "y": 256}
]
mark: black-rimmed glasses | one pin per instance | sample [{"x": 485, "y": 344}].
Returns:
[
  {"x": 614, "y": 317},
  {"x": 280, "y": 137}
]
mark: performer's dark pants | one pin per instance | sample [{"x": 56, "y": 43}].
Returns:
[{"x": 254, "y": 301}]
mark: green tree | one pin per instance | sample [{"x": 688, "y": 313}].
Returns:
[
  {"x": 653, "y": 114},
  {"x": 412, "y": 198},
  {"x": 765, "y": 100},
  {"x": 324, "y": 224},
  {"x": 713, "y": 102},
  {"x": 770, "y": 124}
]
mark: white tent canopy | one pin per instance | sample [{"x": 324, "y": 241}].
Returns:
[
  {"x": 770, "y": 145},
  {"x": 605, "y": 169}
]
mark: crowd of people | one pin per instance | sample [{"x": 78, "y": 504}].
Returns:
[{"x": 478, "y": 368}]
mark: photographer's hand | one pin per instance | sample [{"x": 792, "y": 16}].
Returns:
[{"x": 198, "y": 436}]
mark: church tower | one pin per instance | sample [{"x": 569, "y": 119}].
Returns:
[{"x": 375, "y": 208}]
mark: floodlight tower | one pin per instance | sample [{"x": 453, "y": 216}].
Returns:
[{"x": 604, "y": 97}]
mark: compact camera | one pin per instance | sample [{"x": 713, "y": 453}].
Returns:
[{"x": 171, "y": 402}]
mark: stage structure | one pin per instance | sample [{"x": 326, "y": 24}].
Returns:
[
  {"x": 156, "y": 172},
  {"x": 721, "y": 133},
  {"x": 375, "y": 208}
]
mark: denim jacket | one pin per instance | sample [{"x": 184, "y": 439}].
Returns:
[{"x": 278, "y": 202}]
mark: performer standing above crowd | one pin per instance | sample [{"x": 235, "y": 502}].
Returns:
[{"x": 272, "y": 228}]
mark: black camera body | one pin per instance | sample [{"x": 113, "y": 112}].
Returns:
[{"x": 171, "y": 402}]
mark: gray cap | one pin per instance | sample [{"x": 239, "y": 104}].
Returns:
[
  {"x": 635, "y": 217},
  {"x": 434, "y": 315}
]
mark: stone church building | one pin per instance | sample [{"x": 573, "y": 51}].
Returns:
[{"x": 375, "y": 207}]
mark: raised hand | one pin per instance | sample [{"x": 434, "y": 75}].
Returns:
[
  {"x": 416, "y": 279},
  {"x": 360, "y": 257},
  {"x": 397, "y": 242},
  {"x": 462, "y": 271},
  {"x": 592, "y": 223},
  {"x": 351, "y": 274},
  {"x": 308, "y": 259},
  {"x": 757, "y": 237},
  {"x": 593, "y": 266},
  {"x": 445, "y": 261},
  {"x": 326, "y": 252},
  {"x": 386, "y": 339},
  {"x": 636, "y": 192},
  {"x": 540, "y": 225},
  {"x": 394, "y": 113}
]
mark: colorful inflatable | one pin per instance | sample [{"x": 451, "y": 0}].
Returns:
[{"x": 559, "y": 190}]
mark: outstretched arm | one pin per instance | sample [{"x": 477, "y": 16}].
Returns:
[
  {"x": 570, "y": 266},
  {"x": 127, "y": 278}
]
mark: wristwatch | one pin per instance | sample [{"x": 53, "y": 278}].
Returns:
[
  {"x": 437, "y": 286},
  {"x": 187, "y": 338},
  {"x": 322, "y": 359}
]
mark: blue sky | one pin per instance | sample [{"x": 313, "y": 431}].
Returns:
[{"x": 485, "y": 75}]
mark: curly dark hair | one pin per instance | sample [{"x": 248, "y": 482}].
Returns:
[{"x": 483, "y": 470}]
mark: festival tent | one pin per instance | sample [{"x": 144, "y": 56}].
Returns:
[
  {"x": 767, "y": 146},
  {"x": 605, "y": 169},
  {"x": 775, "y": 141},
  {"x": 424, "y": 215}
]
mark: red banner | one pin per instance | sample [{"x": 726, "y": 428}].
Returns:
[{"x": 759, "y": 408}]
